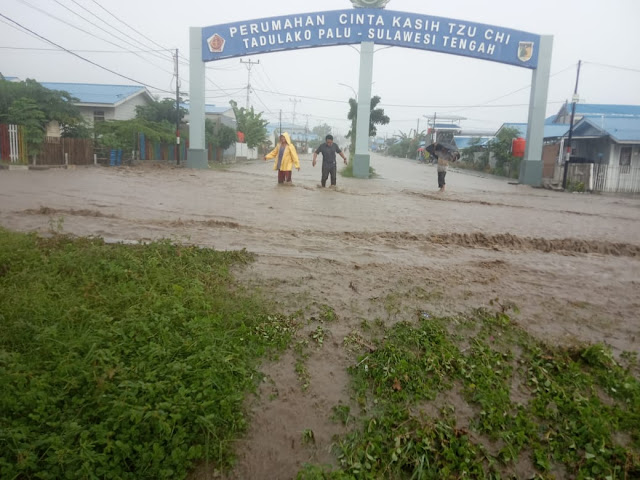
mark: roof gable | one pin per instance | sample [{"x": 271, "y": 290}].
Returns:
[{"x": 620, "y": 130}]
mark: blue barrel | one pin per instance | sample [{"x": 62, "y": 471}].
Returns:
[
  {"x": 112, "y": 157},
  {"x": 119, "y": 159}
]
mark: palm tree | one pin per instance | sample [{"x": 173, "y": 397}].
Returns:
[{"x": 377, "y": 117}]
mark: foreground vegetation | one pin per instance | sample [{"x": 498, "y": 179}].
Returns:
[
  {"x": 134, "y": 361},
  {"x": 478, "y": 398},
  {"x": 123, "y": 361}
]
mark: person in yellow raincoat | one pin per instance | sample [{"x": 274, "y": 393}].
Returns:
[{"x": 285, "y": 158}]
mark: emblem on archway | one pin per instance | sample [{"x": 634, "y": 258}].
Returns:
[
  {"x": 369, "y": 3},
  {"x": 525, "y": 51}
]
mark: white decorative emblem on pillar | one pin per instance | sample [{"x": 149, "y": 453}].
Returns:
[{"x": 369, "y": 3}]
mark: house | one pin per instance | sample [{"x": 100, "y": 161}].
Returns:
[
  {"x": 605, "y": 147},
  {"x": 220, "y": 115},
  {"x": 605, "y": 154},
  {"x": 98, "y": 102}
]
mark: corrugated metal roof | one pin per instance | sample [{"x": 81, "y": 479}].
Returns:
[
  {"x": 97, "y": 93},
  {"x": 214, "y": 109},
  {"x": 620, "y": 129},
  {"x": 550, "y": 131},
  {"x": 465, "y": 141},
  {"x": 209, "y": 108},
  {"x": 521, "y": 127},
  {"x": 556, "y": 130},
  {"x": 589, "y": 109}
]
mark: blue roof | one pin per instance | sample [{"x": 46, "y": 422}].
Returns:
[
  {"x": 214, "y": 109},
  {"x": 550, "y": 131},
  {"x": 620, "y": 129},
  {"x": 520, "y": 127},
  {"x": 465, "y": 141},
  {"x": 286, "y": 127},
  {"x": 597, "y": 110},
  {"x": 208, "y": 108},
  {"x": 96, "y": 93}
]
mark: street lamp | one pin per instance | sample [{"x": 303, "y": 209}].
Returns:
[{"x": 349, "y": 86}]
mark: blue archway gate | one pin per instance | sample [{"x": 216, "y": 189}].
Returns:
[{"x": 369, "y": 26}]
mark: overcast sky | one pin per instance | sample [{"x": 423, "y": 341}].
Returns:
[{"x": 412, "y": 83}]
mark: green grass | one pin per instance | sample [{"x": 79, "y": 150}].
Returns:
[
  {"x": 124, "y": 361},
  {"x": 579, "y": 413}
]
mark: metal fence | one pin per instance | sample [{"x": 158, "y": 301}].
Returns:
[
  {"x": 12, "y": 144},
  {"x": 605, "y": 178}
]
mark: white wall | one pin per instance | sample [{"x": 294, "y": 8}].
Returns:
[{"x": 127, "y": 110}]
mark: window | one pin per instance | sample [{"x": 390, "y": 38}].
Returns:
[
  {"x": 625, "y": 160},
  {"x": 98, "y": 116}
]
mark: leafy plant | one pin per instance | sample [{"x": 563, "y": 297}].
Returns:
[
  {"x": 251, "y": 124},
  {"x": 567, "y": 409},
  {"x": 124, "y": 361},
  {"x": 376, "y": 117}
]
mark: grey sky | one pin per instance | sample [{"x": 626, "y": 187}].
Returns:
[{"x": 412, "y": 83}]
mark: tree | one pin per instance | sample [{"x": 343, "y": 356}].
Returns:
[
  {"x": 506, "y": 164},
  {"x": 251, "y": 124},
  {"x": 476, "y": 155},
  {"x": 25, "y": 112},
  {"x": 219, "y": 135},
  {"x": 55, "y": 105},
  {"x": 160, "y": 111},
  {"x": 321, "y": 130},
  {"x": 377, "y": 117},
  {"x": 403, "y": 146}
]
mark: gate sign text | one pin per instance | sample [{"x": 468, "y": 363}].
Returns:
[{"x": 384, "y": 27}]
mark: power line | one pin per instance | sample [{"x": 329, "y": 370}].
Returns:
[
  {"x": 44, "y": 12},
  {"x": 613, "y": 66},
  {"x": 511, "y": 93},
  {"x": 108, "y": 33},
  {"x": 83, "y": 58},
  {"x": 129, "y": 26},
  {"x": 116, "y": 28},
  {"x": 73, "y": 50}
]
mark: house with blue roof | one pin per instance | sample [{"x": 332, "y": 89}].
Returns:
[
  {"x": 98, "y": 102},
  {"x": 219, "y": 114},
  {"x": 605, "y": 146},
  {"x": 608, "y": 151}
]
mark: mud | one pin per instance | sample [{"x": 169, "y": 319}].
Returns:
[{"x": 381, "y": 250}]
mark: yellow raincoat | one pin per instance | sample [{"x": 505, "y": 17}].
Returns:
[{"x": 289, "y": 158}]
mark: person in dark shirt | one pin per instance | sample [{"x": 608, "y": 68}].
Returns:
[{"x": 328, "y": 150}]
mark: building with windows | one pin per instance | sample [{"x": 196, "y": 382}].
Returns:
[{"x": 98, "y": 102}]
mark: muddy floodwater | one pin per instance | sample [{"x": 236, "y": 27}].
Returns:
[{"x": 570, "y": 262}]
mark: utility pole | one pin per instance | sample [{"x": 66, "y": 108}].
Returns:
[
  {"x": 306, "y": 133},
  {"x": 434, "y": 138},
  {"x": 177, "y": 112},
  {"x": 249, "y": 63},
  {"x": 295, "y": 101},
  {"x": 418, "y": 129},
  {"x": 574, "y": 100}
]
